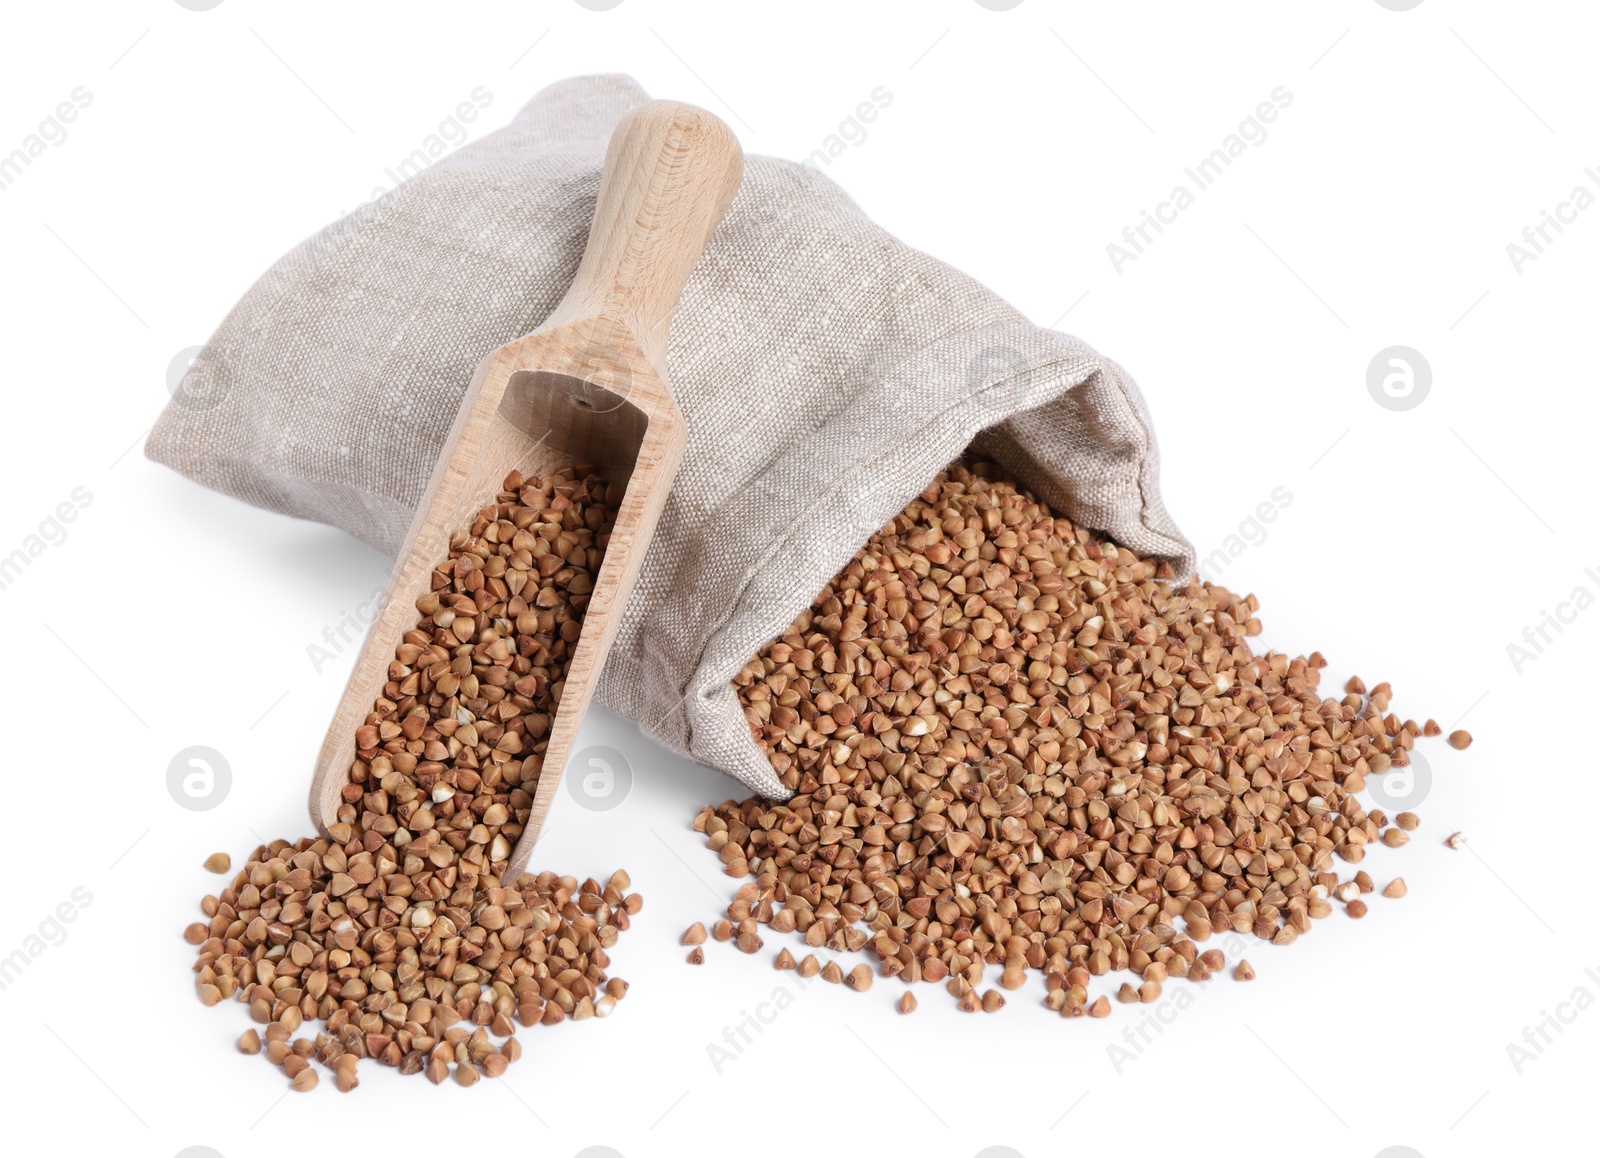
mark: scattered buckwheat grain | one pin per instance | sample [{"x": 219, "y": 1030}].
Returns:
[
  {"x": 1013, "y": 743},
  {"x": 397, "y": 929}
]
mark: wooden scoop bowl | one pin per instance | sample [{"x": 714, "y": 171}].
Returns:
[{"x": 589, "y": 385}]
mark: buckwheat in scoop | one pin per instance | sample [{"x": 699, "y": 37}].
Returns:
[{"x": 396, "y": 936}]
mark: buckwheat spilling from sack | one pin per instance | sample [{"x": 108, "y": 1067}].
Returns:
[
  {"x": 398, "y": 931},
  {"x": 1015, "y": 744}
]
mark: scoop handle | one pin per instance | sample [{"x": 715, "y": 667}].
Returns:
[{"x": 670, "y": 173}]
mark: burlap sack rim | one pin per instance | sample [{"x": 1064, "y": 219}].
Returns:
[{"x": 1077, "y": 367}]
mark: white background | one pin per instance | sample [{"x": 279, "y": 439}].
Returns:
[{"x": 1019, "y": 143}]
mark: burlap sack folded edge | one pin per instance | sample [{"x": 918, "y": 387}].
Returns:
[{"x": 717, "y": 732}]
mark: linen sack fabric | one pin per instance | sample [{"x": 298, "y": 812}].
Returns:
[{"x": 826, "y": 372}]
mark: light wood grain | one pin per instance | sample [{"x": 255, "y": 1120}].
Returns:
[{"x": 588, "y": 385}]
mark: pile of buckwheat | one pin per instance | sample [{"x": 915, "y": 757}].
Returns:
[
  {"x": 397, "y": 931},
  {"x": 1015, "y": 744},
  {"x": 1011, "y": 744}
]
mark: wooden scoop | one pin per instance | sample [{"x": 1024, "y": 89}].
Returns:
[{"x": 589, "y": 385}]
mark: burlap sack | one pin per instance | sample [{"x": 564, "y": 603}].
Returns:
[{"x": 825, "y": 371}]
